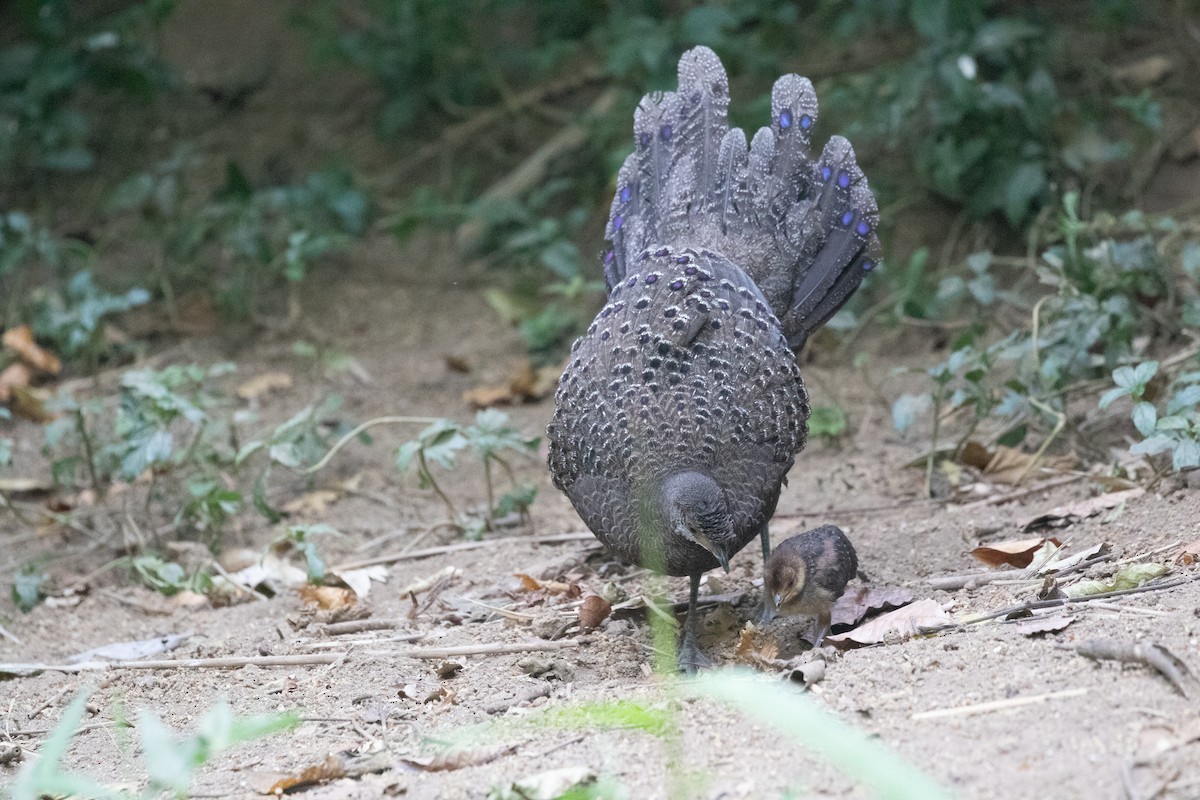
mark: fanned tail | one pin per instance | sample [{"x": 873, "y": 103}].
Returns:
[{"x": 804, "y": 230}]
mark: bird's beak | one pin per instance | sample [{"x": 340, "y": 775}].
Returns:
[
  {"x": 778, "y": 598},
  {"x": 723, "y": 560}
]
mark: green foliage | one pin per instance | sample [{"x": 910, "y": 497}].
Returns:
[
  {"x": 61, "y": 53},
  {"x": 490, "y": 438},
  {"x": 166, "y": 577},
  {"x": 72, "y": 320},
  {"x": 302, "y": 539},
  {"x": 425, "y": 55},
  {"x": 981, "y": 110},
  {"x": 1177, "y": 429},
  {"x": 28, "y": 588},
  {"x": 171, "y": 761},
  {"x": 826, "y": 422},
  {"x": 1113, "y": 280},
  {"x": 256, "y": 235}
]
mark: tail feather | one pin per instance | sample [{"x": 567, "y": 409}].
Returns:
[{"x": 803, "y": 230}]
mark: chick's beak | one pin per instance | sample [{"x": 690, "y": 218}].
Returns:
[{"x": 778, "y": 598}]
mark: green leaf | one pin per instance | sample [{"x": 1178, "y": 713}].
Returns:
[
  {"x": 1112, "y": 395},
  {"x": 799, "y": 717},
  {"x": 44, "y": 776},
  {"x": 27, "y": 589},
  {"x": 1145, "y": 416},
  {"x": 1143, "y": 372},
  {"x": 907, "y": 408},
  {"x": 827, "y": 421},
  {"x": 168, "y": 763},
  {"x": 406, "y": 455},
  {"x": 1186, "y": 455}
]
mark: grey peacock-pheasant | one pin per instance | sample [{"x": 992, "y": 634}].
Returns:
[{"x": 682, "y": 408}]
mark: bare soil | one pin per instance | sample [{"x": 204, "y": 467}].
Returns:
[{"x": 400, "y": 310}]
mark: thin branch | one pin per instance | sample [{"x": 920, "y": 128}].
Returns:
[
  {"x": 392, "y": 558},
  {"x": 371, "y": 423}
]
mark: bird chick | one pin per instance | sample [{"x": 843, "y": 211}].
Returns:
[{"x": 808, "y": 573}]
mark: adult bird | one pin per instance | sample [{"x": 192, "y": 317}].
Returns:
[{"x": 682, "y": 408}]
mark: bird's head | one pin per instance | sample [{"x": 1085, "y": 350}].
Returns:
[
  {"x": 696, "y": 510},
  {"x": 784, "y": 579}
]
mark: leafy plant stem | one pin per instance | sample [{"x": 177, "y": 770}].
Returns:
[
  {"x": 371, "y": 423},
  {"x": 7, "y": 502},
  {"x": 491, "y": 494},
  {"x": 1060, "y": 423},
  {"x": 933, "y": 442},
  {"x": 428, "y": 476},
  {"x": 89, "y": 454}
]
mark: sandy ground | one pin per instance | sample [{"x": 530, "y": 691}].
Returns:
[{"x": 400, "y": 311}]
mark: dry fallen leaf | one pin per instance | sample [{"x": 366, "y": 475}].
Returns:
[
  {"x": 1009, "y": 465},
  {"x": 16, "y": 375},
  {"x": 1014, "y": 553},
  {"x": 862, "y": 601},
  {"x": 131, "y": 651},
  {"x": 527, "y": 385},
  {"x": 593, "y": 611},
  {"x": 899, "y": 624},
  {"x": 264, "y": 384},
  {"x": 1189, "y": 555},
  {"x": 1145, "y": 71},
  {"x": 328, "y": 598},
  {"x": 1046, "y": 623},
  {"x": 19, "y": 341},
  {"x": 528, "y": 582},
  {"x": 549, "y": 785},
  {"x": 1063, "y": 516},
  {"x": 328, "y": 770},
  {"x": 30, "y": 403},
  {"x": 446, "y": 573},
  {"x": 750, "y": 650},
  {"x": 311, "y": 503},
  {"x": 359, "y": 580},
  {"x": 457, "y": 759}
]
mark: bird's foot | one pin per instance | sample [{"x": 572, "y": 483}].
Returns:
[{"x": 691, "y": 658}]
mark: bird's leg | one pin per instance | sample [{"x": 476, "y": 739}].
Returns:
[
  {"x": 821, "y": 627},
  {"x": 766, "y": 609},
  {"x": 690, "y": 657}
]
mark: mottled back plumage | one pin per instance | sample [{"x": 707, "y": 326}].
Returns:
[{"x": 682, "y": 407}]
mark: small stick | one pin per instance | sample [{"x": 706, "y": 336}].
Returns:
[
  {"x": 92, "y": 726},
  {"x": 360, "y": 626},
  {"x": 231, "y": 662},
  {"x": 9, "y": 636},
  {"x": 1149, "y": 612},
  {"x": 1151, "y": 655},
  {"x": 1017, "y": 495},
  {"x": 504, "y": 705},
  {"x": 561, "y": 745},
  {"x": 952, "y": 583},
  {"x": 1149, "y": 553},
  {"x": 497, "y": 649},
  {"x": 408, "y": 637},
  {"x": 997, "y": 705},
  {"x": 1035, "y": 605},
  {"x": 392, "y": 558}
]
